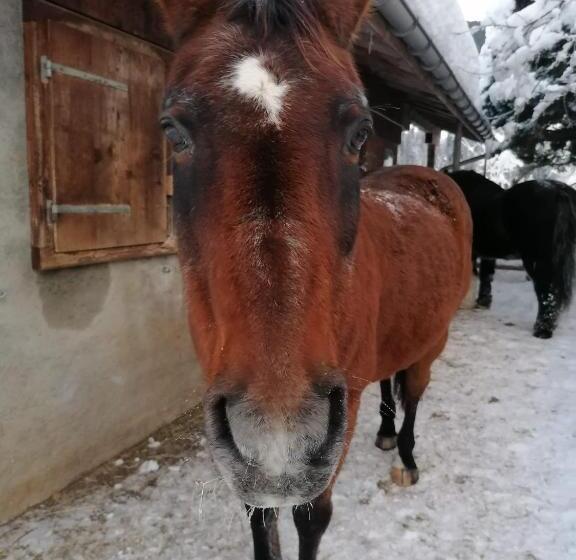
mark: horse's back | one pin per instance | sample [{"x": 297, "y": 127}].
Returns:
[
  {"x": 418, "y": 231},
  {"x": 425, "y": 187},
  {"x": 482, "y": 195},
  {"x": 471, "y": 180},
  {"x": 531, "y": 209},
  {"x": 478, "y": 190},
  {"x": 529, "y": 194}
]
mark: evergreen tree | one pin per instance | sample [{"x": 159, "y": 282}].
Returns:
[{"x": 530, "y": 96}]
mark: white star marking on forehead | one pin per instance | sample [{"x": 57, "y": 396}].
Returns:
[{"x": 254, "y": 81}]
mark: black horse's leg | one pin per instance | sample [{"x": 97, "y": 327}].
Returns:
[
  {"x": 529, "y": 267},
  {"x": 386, "y": 438},
  {"x": 311, "y": 521},
  {"x": 264, "y": 524},
  {"x": 487, "y": 270},
  {"x": 548, "y": 305}
]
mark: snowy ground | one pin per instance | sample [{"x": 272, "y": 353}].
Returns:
[{"x": 496, "y": 446}]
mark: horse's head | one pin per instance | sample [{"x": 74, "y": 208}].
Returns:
[{"x": 267, "y": 117}]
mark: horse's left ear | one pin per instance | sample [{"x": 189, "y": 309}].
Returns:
[
  {"x": 181, "y": 17},
  {"x": 345, "y": 18}
]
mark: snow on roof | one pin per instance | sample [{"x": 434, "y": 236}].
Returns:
[{"x": 444, "y": 22}]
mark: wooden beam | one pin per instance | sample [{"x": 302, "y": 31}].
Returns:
[
  {"x": 431, "y": 157},
  {"x": 467, "y": 162},
  {"x": 137, "y": 18},
  {"x": 433, "y": 140},
  {"x": 457, "y": 149}
]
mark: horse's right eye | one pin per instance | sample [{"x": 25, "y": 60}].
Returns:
[
  {"x": 359, "y": 139},
  {"x": 179, "y": 140},
  {"x": 358, "y": 136}
]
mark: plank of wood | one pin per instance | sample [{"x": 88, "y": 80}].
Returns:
[
  {"x": 140, "y": 18},
  {"x": 44, "y": 259},
  {"x": 41, "y": 236}
]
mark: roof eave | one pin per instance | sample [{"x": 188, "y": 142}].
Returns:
[{"x": 404, "y": 25}]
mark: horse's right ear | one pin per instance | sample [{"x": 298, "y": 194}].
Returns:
[{"x": 181, "y": 17}]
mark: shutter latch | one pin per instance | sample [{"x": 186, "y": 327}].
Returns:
[
  {"x": 54, "y": 210},
  {"x": 48, "y": 68}
]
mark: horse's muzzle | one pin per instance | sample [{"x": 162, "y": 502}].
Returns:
[{"x": 277, "y": 459}]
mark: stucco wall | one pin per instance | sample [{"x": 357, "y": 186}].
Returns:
[{"x": 91, "y": 360}]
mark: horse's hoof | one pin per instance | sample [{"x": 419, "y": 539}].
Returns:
[
  {"x": 404, "y": 477},
  {"x": 484, "y": 303},
  {"x": 386, "y": 443},
  {"x": 544, "y": 333}
]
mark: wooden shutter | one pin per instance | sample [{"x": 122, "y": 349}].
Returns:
[{"x": 97, "y": 155}]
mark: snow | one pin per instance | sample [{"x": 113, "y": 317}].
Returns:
[
  {"x": 148, "y": 467},
  {"x": 153, "y": 444},
  {"x": 496, "y": 446},
  {"x": 504, "y": 168},
  {"x": 477, "y": 11},
  {"x": 444, "y": 22}
]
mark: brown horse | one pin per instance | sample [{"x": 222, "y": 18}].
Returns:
[{"x": 303, "y": 284}]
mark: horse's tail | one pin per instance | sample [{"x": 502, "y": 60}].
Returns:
[
  {"x": 564, "y": 249},
  {"x": 400, "y": 387}
]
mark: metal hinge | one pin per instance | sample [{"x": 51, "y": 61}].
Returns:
[
  {"x": 54, "y": 210},
  {"x": 48, "y": 68}
]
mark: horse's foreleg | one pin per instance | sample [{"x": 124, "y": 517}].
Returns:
[
  {"x": 386, "y": 438},
  {"x": 487, "y": 270},
  {"x": 264, "y": 524},
  {"x": 311, "y": 521}
]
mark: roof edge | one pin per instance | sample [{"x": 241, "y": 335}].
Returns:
[{"x": 405, "y": 26}]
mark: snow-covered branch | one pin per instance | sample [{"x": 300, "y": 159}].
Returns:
[{"x": 529, "y": 93}]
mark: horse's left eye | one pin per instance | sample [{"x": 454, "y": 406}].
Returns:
[{"x": 360, "y": 137}]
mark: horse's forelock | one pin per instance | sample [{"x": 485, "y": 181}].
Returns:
[{"x": 299, "y": 17}]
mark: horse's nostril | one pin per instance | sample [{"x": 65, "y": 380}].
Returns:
[
  {"x": 336, "y": 428},
  {"x": 219, "y": 426},
  {"x": 337, "y": 392},
  {"x": 220, "y": 417}
]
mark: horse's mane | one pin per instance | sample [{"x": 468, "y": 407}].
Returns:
[{"x": 300, "y": 18}]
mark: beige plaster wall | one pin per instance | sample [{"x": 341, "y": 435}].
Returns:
[{"x": 91, "y": 360}]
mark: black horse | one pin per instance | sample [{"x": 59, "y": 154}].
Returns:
[{"x": 534, "y": 221}]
